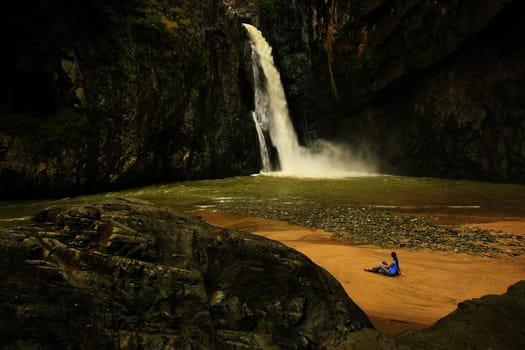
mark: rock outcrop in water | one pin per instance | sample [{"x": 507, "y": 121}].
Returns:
[
  {"x": 130, "y": 275},
  {"x": 126, "y": 275}
]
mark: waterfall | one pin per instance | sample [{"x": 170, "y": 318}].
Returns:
[
  {"x": 271, "y": 110},
  {"x": 271, "y": 117}
]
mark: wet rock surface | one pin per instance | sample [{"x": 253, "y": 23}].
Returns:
[
  {"x": 130, "y": 275},
  {"x": 363, "y": 226}
]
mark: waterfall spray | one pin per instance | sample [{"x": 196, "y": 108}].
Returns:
[{"x": 271, "y": 116}]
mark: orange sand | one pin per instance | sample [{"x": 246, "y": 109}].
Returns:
[{"x": 431, "y": 284}]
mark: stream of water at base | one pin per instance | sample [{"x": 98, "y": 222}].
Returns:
[{"x": 392, "y": 193}]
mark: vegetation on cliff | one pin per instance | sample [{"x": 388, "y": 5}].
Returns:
[{"x": 102, "y": 95}]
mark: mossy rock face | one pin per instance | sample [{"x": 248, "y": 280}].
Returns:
[{"x": 100, "y": 96}]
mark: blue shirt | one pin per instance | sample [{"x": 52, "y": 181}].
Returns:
[{"x": 393, "y": 269}]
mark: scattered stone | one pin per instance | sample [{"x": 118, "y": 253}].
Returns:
[{"x": 365, "y": 226}]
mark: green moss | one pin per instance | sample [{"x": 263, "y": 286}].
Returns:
[{"x": 268, "y": 4}]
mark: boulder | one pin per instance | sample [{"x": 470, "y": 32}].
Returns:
[
  {"x": 130, "y": 275},
  {"x": 489, "y": 322}
]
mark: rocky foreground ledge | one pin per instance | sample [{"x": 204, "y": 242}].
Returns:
[
  {"x": 130, "y": 275},
  {"x": 135, "y": 276}
]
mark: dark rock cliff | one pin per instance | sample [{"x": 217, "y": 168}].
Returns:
[
  {"x": 427, "y": 88},
  {"x": 129, "y": 275},
  {"x": 99, "y": 95},
  {"x": 102, "y": 95}
]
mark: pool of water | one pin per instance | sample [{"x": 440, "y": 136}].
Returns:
[{"x": 395, "y": 193}]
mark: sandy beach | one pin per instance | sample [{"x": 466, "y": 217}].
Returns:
[{"x": 430, "y": 287}]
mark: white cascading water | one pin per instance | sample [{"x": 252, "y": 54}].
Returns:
[{"x": 323, "y": 159}]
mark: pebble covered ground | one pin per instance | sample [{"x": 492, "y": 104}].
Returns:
[{"x": 364, "y": 226}]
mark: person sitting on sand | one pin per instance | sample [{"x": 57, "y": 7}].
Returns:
[{"x": 391, "y": 269}]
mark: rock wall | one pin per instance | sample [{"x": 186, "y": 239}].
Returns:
[
  {"x": 100, "y": 95},
  {"x": 103, "y": 95},
  {"x": 424, "y": 88}
]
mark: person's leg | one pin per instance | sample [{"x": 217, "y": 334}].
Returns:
[
  {"x": 375, "y": 268},
  {"x": 382, "y": 268}
]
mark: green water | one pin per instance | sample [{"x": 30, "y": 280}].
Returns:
[{"x": 392, "y": 192}]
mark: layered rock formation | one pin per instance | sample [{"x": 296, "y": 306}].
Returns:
[
  {"x": 130, "y": 275},
  {"x": 133, "y": 276}
]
